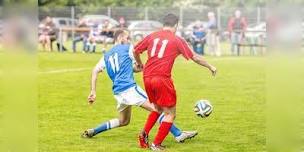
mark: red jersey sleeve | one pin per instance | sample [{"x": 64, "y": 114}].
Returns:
[
  {"x": 184, "y": 48},
  {"x": 141, "y": 46}
]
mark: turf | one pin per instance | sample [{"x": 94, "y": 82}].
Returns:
[{"x": 237, "y": 94}]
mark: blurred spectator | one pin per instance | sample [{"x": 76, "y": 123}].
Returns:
[
  {"x": 93, "y": 38},
  {"x": 51, "y": 30},
  {"x": 43, "y": 37},
  {"x": 213, "y": 39},
  {"x": 199, "y": 38},
  {"x": 48, "y": 34},
  {"x": 100, "y": 33},
  {"x": 122, "y": 22},
  {"x": 107, "y": 34},
  {"x": 83, "y": 36},
  {"x": 236, "y": 26}
]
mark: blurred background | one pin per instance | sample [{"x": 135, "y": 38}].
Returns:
[{"x": 209, "y": 26}]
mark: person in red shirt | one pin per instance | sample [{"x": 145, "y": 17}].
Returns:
[
  {"x": 237, "y": 26},
  {"x": 163, "y": 47}
]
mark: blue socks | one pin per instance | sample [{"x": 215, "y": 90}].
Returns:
[
  {"x": 106, "y": 126},
  {"x": 114, "y": 123},
  {"x": 174, "y": 130}
]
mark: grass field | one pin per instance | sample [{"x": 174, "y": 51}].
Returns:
[{"x": 237, "y": 94}]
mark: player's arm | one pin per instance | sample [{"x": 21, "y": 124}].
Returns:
[
  {"x": 139, "y": 48},
  {"x": 188, "y": 53},
  {"x": 96, "y": 70},
  {"x": 136, "y": 69},
  {"x": 201, "y": 61},
  {"x": 138, "y": 65}
]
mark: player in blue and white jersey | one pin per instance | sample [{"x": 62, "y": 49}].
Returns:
[{"x": 118, "y": 62}]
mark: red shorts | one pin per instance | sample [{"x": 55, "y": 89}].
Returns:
[{"x": 160, "y": 91}]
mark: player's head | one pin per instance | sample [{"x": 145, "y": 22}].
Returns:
[
  {"x": 171, "y": 21},
  {"x": 121, "y": 37}
]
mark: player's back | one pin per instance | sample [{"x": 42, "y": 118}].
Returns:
[
  {"x": 119, "y": 67},
  {"x": 163, "y": 47}
]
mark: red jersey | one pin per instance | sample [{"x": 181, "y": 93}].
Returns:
[{"x": 163, "y": 47}]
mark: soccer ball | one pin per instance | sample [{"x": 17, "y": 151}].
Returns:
[{"x": 203, "y": 108}]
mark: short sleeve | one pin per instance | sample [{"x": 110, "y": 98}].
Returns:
[
  {"x": 101, "y": 65},
  {"x": 184, "y": 48},
  {"x": 142, "y": 46}
]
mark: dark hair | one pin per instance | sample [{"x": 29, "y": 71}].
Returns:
[{"x": 170, "y": 20}]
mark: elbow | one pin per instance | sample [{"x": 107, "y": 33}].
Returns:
[
  {"x": 95, "y": 71},
  {"x": 136, "y": 54},
  {"x": 196, "y": 58}
]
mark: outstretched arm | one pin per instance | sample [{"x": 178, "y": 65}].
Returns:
[
  {"x": 97, "y": 69},
  {"x": 188, "y": 53},
  {"x": 201, "y": 61}
]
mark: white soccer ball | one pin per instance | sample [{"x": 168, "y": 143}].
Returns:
[{"x": 203, "y": 108}]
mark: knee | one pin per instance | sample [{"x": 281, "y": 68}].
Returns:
[
  {"x": 172, "y": 116},
  {"x": 124, "y": 122},
  {"x": 169, "y": 117}
]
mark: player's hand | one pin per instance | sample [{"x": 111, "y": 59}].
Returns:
[
  {"x": 91, "y": 98},
  {"x": 137, "y": 68},
  {"x": 213, "y": 70}
]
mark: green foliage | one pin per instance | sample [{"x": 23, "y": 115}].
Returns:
[
  {"x": 151, "y": 3},
  {"x": 105, "y": 3}
]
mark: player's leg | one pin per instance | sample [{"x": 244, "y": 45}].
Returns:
[
  {"x": 125, "y": 116},
  {"x": 147, "y": 105},
  {"x": 152, "y": 118},
  {"x": 166, "y": 100},
  {"x": 169, "y": 116},
  {"x": 154, "y": 114},
  {"x": 179, "y": 135},
  {"x": 123, "y": 120},
  {"x": 150, "y": 122}
]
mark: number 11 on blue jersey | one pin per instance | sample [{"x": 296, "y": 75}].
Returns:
[{"x": 114, "y": 62}]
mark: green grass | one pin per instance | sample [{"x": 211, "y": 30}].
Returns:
[{"x": 236, "y": 124}]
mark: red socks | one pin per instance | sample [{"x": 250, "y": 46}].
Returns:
[
  {"x": 162, "y": 132},
  {"x": 152, "y": 118}
]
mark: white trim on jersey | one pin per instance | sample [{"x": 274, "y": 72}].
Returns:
[{"x": 131, "y": 55}]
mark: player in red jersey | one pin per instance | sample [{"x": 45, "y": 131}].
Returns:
[{"x": 163, "y": 47}]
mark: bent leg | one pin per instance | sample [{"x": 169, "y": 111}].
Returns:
[
  {"x": 123, "y": 120},
  {"x": 151, "y": 120},
  {"x": 150, "y": 107},
  {"x": 174, "y": 130},
  {"x": 169, "y": 116},
  {"x": 125, "y": 116}
]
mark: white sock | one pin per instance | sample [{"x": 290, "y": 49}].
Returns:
[{"x": 114, "y": 123}]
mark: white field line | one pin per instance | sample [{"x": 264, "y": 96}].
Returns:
[{"x": 64, "y": 70}]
